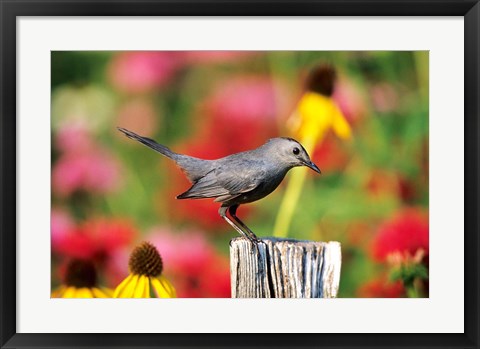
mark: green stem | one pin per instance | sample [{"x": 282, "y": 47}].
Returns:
[{"x": 412, "y": 291}]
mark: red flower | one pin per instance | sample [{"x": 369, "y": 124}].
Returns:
[
  {"x": 95, "y": 239},
  {"x": 329, "y": 155},
  {"x": 405, "y": 233},
  {"x": 193, "y": 265},
  {"x": 381, "y": 288}
]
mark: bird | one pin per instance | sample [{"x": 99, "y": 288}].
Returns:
[{"x": 236, "y": 179}]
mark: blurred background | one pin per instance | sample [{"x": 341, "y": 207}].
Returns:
[{"x": 110, "y": 193}]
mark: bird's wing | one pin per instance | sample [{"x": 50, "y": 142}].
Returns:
[{"x": 224, "y": 184}]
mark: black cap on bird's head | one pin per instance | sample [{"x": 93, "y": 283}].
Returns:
[{"x": 291, "y": 153}]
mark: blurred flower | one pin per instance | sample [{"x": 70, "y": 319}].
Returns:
[
  {"x": 80, "y": 281},
  {"x": 197, "y": 57},
  {"x": 90, "y": 107},
  {"x": 315, "y": 115},
  {"x": 142, "y": 71},
  {"x": 381, "y": 288},
  {"x": 350, "y": 100},
  {"x": 384, "y": 97},
  {"x": 74, "y": 138},
  {"x": 329, "y": 155},
  {"x": 194, "y": 265},
  {"x": 140, "y": 115},
  {"x": 243, "y": 109},
  {"x": 317, "y": 112},
  {"x": 95, "y": 239},
  {"x": 411, "y": 270},
  {"x": 93, "y": 171},
  {"x": 60, "y": 224},
  {"x": 405, "y": 233},
  {"x": 146, "y": 268}
]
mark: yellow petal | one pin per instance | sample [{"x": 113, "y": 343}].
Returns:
[
  {"x": 146, "y": 293},
  {"x": 101, "y": 293},
  {"x": 163, "y": 289},
  {"x": 142, "y": 286},
  {"x": 129, "y": 289},
  {"x": 159, "y": 289},
  {"x": 316, "y": 115},
  {"x": 168, "y": 286},
  {"x": 70, "y": 292},
  {"x": 122, "y": 285},
  {"x": 84, "y": 292},
  {"x": 340, "y": 125}
]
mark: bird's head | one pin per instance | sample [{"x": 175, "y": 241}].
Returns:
[{"x": 291, "y": 153}]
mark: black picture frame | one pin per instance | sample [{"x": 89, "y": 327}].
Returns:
[{"x": 10, "y": 10}]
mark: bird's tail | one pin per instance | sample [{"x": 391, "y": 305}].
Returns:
[{"x": 149, "y": 143}]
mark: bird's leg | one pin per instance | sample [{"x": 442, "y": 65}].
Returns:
[
  {"x": 233, "y": 212},
  {"x": 223, "y": 213}
]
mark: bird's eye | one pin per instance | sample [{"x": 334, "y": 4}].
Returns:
[{"x": 296, "y": 151}]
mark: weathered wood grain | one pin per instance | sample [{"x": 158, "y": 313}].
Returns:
[{"x": 284, "y": 268}]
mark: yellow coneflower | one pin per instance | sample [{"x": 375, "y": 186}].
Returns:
[
  {"x": 315, "y": 114},
  {"x": 80, "y": 282},
  {"x": 145, "y": 279}
]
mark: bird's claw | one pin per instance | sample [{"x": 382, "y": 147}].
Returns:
[{"x": 253, "y": 239}]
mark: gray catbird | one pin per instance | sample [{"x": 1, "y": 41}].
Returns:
[{"x": 238, "y": 178}]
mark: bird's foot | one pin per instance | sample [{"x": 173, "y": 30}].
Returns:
[{"x": 253, "y": 238}]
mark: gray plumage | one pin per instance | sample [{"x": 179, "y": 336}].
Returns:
[{"x": 238, "y": 178}]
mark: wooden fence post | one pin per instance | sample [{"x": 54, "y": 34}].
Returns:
[{"x": 284, "y": 268}]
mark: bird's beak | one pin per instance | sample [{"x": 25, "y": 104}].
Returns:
[{"x": 311, "y": 165}]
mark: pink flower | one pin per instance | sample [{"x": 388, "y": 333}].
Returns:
[
  {"x": 405, "y": 234},
  {"x": 144, "y": 71},
  {"x": 243, "y": 109},
  {"x": 93, "y": 171},
  {"x": 193, "y": 265},
  {"x": 196, "y": 57},
  {"x": 73, "y": 138},
  {"x": 350, "y": 100},
  {"x": 245, "y": 98},
  {"x": 60, "y": 224}
]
